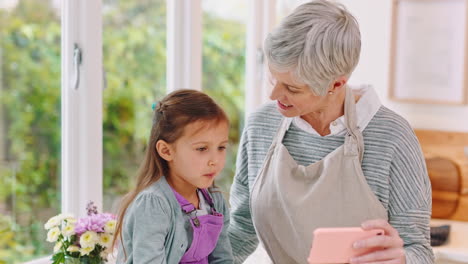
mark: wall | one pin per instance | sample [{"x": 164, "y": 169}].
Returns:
[{"x": 374, "y": 17}]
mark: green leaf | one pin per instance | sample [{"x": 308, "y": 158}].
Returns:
[{"x": 58, "y": 258}]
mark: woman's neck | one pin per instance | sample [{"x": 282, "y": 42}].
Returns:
[{"x": 321, "y": 119}]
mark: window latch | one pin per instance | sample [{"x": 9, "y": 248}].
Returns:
[{"x": 77, "y": 58}]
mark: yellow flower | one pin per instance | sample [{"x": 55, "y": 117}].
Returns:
[
  {"x": 86, "y": 250},
  {"x": 73, "y": 249},
  {"x": 105, "y": 240},
  {"x": 57, "y": 247},
  {"x": 89, "y": 239},
  {"x": 53, "y": 222},
  {"x": 69, "y": 230},
  {"x": 109, "y": 227},
  {"x": 53, "y": 234}
]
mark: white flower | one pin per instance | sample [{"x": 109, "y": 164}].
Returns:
[
  {"x": 69, "y": 218},
  {"x": 89, "y": 239},
  {"x": 109, "y": 227},
  {"x": 53, "y": 234},
  {"x": 69, "y": 230},
  {"x": 57, "y": 247},
  {"x": 104, "y": 255},
  {"x": 53, "y": 222},
  {"x": 105, "y": 240},
  {"x": 86, "y": 250},
  {"x": 73, "y": 249},
  {"x": 64, "y": 216}
]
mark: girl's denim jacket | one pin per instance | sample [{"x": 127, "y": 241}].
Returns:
[{"x": 155, "y": 230}]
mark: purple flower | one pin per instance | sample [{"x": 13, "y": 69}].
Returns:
[
  {"x": 91, "y": 208},
  {"x": 94, "y": 222}
]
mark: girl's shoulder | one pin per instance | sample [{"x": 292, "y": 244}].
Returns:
[{"x": 157, "y": 196}]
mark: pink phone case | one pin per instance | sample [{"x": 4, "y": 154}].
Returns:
[{"x": 335, "y": 245}]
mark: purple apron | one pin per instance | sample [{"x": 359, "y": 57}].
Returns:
[{"x": 206, "y": 230}]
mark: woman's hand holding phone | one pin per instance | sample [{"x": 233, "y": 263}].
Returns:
[{"x": 391, "y": 252}]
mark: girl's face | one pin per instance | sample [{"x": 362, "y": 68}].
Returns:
[{"x": 199, "y": 155}]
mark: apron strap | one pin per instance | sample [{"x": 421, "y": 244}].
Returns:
[
  {"x": 354, "y": 142},
  {"x": 284, "y": 126}
]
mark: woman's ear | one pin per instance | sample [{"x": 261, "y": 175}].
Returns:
[
  {"x": 164, "y": 150},
  {"x": 338, "y": 84}
]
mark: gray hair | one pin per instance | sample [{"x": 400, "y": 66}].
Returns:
[{"x": 318, "y": 42}]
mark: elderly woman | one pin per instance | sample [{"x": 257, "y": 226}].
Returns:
[{"x": 324, "y": 155}]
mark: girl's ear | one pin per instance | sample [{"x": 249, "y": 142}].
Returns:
[{"x": 164, "y": 150}]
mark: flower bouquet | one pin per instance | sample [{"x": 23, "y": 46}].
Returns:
[{"x": 84, "y": 240}]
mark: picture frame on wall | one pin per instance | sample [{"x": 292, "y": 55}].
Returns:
[{"x": 428, "y": 56}]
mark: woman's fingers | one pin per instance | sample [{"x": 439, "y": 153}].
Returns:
[
  {"x": 390, "y": 255},
  {"x": 380, "y": 223},
  {"x": 389, "y": 247},
  {"x": 393, "y": 261},
  {"x": 379, "y": 242}
]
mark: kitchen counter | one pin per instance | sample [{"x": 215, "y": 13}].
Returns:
[{"x": 455, "y": 251}]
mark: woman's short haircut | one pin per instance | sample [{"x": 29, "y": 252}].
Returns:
[{"x": 318, "y": 42}]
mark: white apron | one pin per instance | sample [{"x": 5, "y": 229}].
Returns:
[{"x": 289, "y": 201}]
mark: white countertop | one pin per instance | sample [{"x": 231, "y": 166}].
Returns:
[{"x": 455, "y": 251}]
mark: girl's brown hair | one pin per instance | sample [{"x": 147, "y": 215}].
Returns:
[{"x": 171, "y": 115}]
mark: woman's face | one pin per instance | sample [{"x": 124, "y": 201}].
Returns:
[{"x": 294, "y": 98}]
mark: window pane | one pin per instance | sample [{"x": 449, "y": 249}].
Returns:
[
  {"x": 29, "y": 126},
  {"x": 224, "y": 33},
  {"x": 135, "y": 62}
]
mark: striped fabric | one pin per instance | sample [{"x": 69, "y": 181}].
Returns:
[{"x": 393, "y": 165}]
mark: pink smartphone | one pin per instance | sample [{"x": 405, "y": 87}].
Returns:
[{"x": 335, "y": 245}]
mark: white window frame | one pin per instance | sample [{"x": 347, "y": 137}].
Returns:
[
  {"x": 184, "y": 45},
  {"x": 261, "y": 20},
  {"x": 82, "y": 106}
]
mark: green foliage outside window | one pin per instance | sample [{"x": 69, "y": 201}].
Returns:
[{"x": 134, "y": 60}]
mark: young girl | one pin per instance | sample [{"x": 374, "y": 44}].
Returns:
[{"x": 173, "y": 216}]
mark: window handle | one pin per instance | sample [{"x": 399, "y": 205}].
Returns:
[{"x": 77, "y": 58}]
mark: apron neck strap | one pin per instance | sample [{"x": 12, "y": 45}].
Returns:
[
  {"x": 354, "y": 142},
  {"x": 284, "y": 126}
]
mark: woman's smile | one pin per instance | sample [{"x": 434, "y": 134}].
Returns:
[{"x": 284, "y": 106}]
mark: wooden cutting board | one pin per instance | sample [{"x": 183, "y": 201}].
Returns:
[{"x": 447, "y": 165}]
